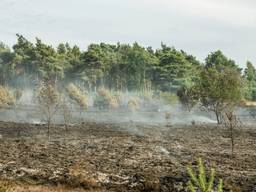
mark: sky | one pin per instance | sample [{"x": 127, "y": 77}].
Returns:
[{"x": 196, "y": 26}]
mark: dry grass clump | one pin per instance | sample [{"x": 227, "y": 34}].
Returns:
[
  {"x": 113, "y": 103},
  {"x": 103, "y": 92},
  {"x": 245, "y": 103},
  {"x": 134, "y": 104},
  {"x": 6, "y": 98},
  {"x": 117, "y": 99},
  {"x": 106, "y": 100},
  {"x": 77, "y": 95},
  {"x": 119, "y": 96}
]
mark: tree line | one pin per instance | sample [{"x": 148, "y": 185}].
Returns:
[{"x": 119, "y": 67}]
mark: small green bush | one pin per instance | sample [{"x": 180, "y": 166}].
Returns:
[
  {"x": 6, "y": 186},
  {"x": 201, "y": 182}
]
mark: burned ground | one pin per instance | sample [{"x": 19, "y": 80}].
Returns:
[{"x": 124, "y": 156}]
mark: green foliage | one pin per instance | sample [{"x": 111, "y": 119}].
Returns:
[
  {"x": 250, "y": 72},
  {"x": 5, "y": 189},
  {"x": 223, "y": 86},
  {"x": 7, "y": 64},
  {"x": 6, "y": 186},
  {"x": 188, "y": 96},
  {"x": 218, "y": 60},
  {"x": 250, "y": 78},
  {"x": 220, "y": 186},
  {"x": 219, "y": 87},
  {"x": 118, "y": 67},
  {"x": 174, "y": 68},
  {"x": 200, "y": 181}
]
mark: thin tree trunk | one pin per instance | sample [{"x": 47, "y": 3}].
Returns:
[
  {"x": 48, "y": 128},
  {"x": 217, "y": 114},
  {"x": 232, "y": 138},
  {"x": 66, "y": 132}
]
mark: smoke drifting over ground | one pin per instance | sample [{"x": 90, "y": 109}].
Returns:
[
  {"x": 144, "y": 109},
  {"x": 149, "y": 111}
]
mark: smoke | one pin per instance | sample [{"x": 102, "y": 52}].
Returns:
[
  {"x": 150, "y": 110},
  {"x": 27, "y": 97},
  {"x": 132, "y": 108}
]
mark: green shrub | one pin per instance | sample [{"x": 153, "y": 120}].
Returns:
[
  {"x": 200, "y": 181},
  {"x": 6, "y": 186}
]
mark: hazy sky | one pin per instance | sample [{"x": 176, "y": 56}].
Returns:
[{"x": 196, "y": 26}]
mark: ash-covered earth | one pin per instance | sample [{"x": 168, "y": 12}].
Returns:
[{"x": 124, "y": 156}]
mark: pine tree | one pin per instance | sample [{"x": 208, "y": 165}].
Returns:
[{"x": 200, "y": 181}]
